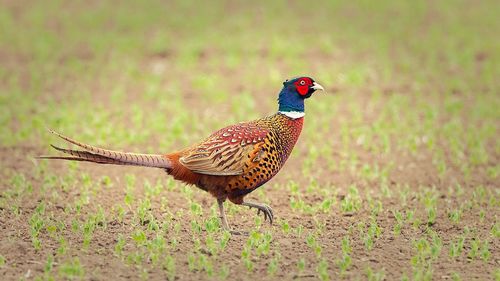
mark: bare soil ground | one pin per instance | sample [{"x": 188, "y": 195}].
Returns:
[{"x": 389, "y": 252}]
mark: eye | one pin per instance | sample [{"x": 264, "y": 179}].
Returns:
[{"x": 302, "y": 83}]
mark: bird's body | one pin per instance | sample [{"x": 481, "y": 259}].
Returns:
[
  {"x": 257, "y": 150},
  {"x": 231, "y": 162}
]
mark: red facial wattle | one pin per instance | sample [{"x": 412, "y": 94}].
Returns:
[
  {"x": 303, "y": 85},
  {"x": 303, "y": 89}
]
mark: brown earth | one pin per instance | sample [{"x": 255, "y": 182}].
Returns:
[{"x": 391, "y": 253}]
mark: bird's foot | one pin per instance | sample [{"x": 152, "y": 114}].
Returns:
[{"x": 264, "y": 208}]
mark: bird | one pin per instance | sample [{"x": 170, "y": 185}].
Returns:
[{"x": 231, "y": 162}]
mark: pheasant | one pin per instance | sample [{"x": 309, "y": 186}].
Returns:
[{"x": 231, "y": 162}]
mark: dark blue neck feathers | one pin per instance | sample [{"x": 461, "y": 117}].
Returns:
[{"x": 290, "y": 100}]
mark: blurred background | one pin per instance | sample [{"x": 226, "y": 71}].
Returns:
[{"x": 168, "y": 66}]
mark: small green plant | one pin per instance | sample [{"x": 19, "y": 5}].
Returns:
[
  {"x": 474, "y": 248},
  {"x": 273, "y": 265},
  {"x": 399, "y": 222},
  {"x": 436, "y": 245},
  {"x": 425, "y": 253},
  {"x": 143, "y": 211},
  {"x": 495, "y": 230},
  {"x": 314, "y": 245},
  {"x": 285, "y": 227},
  {"x": 322, "y": 270},
  {"x": 63, "y": 246},
  {"x": 196, "y": 226},
  {"x": 226, "y": 235},
  {"x": 485, "y": 251},
  {"x": 431, "y": 215},
  {"x": 301, "y": 265},
  {"x": 482, "y": 215},
  {"x": 49, "y": 264},
  {"x": 455, "y": 276},
  {"x": 120, "y": 244},
  {"x": 212, "y": 224},
  {"x": 455, "y": 215},
  {"x": 372, "y": 233},
  {"x": 457, "y": 247},
  {"x": 352, "y": 201},
  {"x": 245, "y": 256},
  {"x": 72, "y": 269},
  {"x": 139, "y": 237},
  {"x": 223, "y": 272},
  {"x": 345, "y": 261},
  {"x": 372, "y": 275}
]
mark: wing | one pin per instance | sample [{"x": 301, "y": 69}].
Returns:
[{"x": 225, "y": 152}]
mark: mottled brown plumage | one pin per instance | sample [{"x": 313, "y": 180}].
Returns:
[
  {"x": 231, "y": 162},
  {"x": 247, "y": 155}
]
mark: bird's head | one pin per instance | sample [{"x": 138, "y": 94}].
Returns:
[{"x": 295, "y": 91}]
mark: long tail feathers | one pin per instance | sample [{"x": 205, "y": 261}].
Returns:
[{"x": 104, "y": 156}]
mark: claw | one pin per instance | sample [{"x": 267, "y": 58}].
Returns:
[{"x": 265, "y": 209}]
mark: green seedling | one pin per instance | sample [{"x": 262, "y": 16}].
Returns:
[
  {"x": 322, "y": 270},
  {"x": 352, "y": 201},
  {"x": 455, "y": 276},
  {"x": 314, "y": 245},
  {"x": 285, "y": 227},
  {"x": 273, "y": 265},
  {"x": 456, "y": 248},
  {"x": 399, "y": 222},
  {"x": 372, "y": 275},
  {"x": 72, "y": 269},
  {"x": 495, "y": 230},
  {"x": 119, "y": 246},
  {"x": 301, "y": 265},
  {"x": 455, "y": 215}
]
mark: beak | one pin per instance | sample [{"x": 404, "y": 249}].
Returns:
[{"x": 317, "y": 86}]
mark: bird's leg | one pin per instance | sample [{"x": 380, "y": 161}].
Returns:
[
  {"x": 225, "y": 225},
  {"x": 266, "y": 210},
  {"x": 223, "y": 215}
]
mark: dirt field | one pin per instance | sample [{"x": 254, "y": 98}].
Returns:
[{"x": 395, "y": 175}]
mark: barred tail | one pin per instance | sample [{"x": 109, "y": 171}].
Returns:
[{"x": 104, "y": 156}]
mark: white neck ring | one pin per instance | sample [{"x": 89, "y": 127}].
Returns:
[{"x": 293, "y": 114}]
